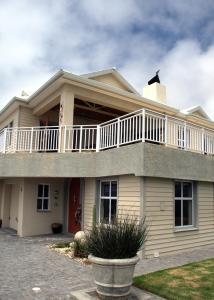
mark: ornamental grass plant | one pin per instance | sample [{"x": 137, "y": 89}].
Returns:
[{"x": 121, "y": 239}]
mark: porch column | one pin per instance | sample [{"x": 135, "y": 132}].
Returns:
[{"x": 66, "y": 114}]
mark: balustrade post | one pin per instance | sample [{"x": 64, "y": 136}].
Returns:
[
  {"x": 166, "y": 130},
  {"x": 31, "y": 140},
  {"x": 143, "y": 124},
  {"x": 202, "y": 140},
  {"x": 13, "y": 138},
  {"x": 80, "y": 144},
  {"x": 98, "y": 139},
  {"x": 5, "y": 140},
  {"x": 65, "y": 136},
  {"x": 60, "y": 139},
  {"x": 185, "y": 135},
  {"x": 118, "y": 133}
]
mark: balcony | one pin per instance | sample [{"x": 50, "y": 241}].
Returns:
[{"x": 138, "y": 126}]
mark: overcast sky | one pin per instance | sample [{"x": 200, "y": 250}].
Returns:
[{"x": 137, "y": 37}]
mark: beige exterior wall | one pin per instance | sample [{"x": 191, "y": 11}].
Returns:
[
  {"x": 89, "y": 202},
  {"x": 13, "y": 117},
  {"x": 110, "y": 80},
  {"x": 34, "y": 222},
  {"x": 129, "y": 195},
  {"x": 159, "y": 209},
  {"x": 27, "y": 119}
]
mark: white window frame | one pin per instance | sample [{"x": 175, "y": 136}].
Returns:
[
  {"x": 182, "y": 199},
  {"x": 43, "y": 197},
  {"x": 110, "y": 198}
]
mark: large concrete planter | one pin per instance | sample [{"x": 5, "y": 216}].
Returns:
[{"x": 113, "y": 277}]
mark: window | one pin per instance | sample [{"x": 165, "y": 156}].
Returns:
[
  {"x": 108, "y": 201},
  {"x": 9, "y": 133},
  {"x": 184, "y": 204},
  {"x": 43, "y": 200}
]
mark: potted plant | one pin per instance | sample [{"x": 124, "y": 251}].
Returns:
[
  {"x": 56, "y": 227},
  {"x": 113, "y": 252}
]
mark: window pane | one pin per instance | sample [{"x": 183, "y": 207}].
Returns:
[
  {"x": 40, "y": 190},
  {"x": 104, "y": 210},
  {"x": 187, "y": 189},
  {"x": 187, "y": 212},
  {"x": 114, "y": 189},
  {"x": 177, "y": 189},
  {"x": 177, "y": 213},
  {"x": 45, "y": 204},
  {"x": 46, "y": 190},
  {"x": 113, "y": 209},
  {"x": 105, "y": 189},
  {"x": 39, "y": 204}
]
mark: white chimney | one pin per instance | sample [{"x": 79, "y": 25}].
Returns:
[{"x": 156, "y": 92}]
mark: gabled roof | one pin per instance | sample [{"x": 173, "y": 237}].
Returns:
[
  {"x": 115, "y": 75},
  {"x": 197, "y": 111}
]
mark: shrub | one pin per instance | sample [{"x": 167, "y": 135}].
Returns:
[
  {"x": 80, "y": 249},
  {"x": 121, "y": 239}
]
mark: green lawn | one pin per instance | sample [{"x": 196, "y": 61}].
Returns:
[{"x": 190, "y": 282}]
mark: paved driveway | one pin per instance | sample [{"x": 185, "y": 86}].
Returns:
[{"x": 26, "y": 263}]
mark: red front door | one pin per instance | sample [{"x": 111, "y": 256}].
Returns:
[{"x": 74, "y": 212}]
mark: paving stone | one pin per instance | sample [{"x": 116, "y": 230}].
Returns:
[{"x": 26, "y": 263}]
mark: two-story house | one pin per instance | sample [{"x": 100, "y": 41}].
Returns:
[{"x": 83, "y": 148}]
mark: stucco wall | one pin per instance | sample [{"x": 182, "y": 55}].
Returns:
[
  {"x": 142, "y": 159},
  {"x": 159, "y": 209},
  {"x": 35, "y": 222},
  {"x": 14, "y": 206}
]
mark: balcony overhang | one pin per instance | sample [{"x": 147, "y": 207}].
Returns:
[{"x": 142, "y": 159}]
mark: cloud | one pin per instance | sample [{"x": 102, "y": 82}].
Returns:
[{"x": 138, "y": 37}]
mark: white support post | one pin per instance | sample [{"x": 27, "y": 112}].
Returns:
[
  {"x": 80, "y": 145},
  {"x": 14, "y": 135},
  {"x": 64, "y": 137},
  {"x": 166, "y": 130},
  {"x": 202, "y": 140},
  {"x": 143, "y": 124},
  {"x": 31, "y": 140},
  {"x": 98, "y": 139},
  {"x": 60, "y": 139},
  {"x": 5, "y": 140},
  {"x": 185, "y": 136},
  {"x": 118, "y": 133}
]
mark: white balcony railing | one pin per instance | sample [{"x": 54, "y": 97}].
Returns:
[{"x": 139, "y": 126}]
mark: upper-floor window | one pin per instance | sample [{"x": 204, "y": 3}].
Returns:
[
  {"x": 43, "y": 197},
  {"x": 108, "y": 201},
  {"x": 184, "y": 204}
]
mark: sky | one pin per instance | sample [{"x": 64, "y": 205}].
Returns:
[{"x": 138, "y": 37}]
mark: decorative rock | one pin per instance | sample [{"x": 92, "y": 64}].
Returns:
[
  {"x": 80, "y": 235},
  {"x": 72, "y": 245}
]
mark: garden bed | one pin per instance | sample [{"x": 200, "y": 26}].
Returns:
[
  {"x": 66, "y": 250},
  {"x": 190, "y": 282}
]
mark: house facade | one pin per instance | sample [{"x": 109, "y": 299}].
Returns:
[{"x": 82, "y": 149}]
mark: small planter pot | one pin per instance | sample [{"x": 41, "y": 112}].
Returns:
[
  {"x": 56, "y": 228},
  {"x": 113, "y": 277}
]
